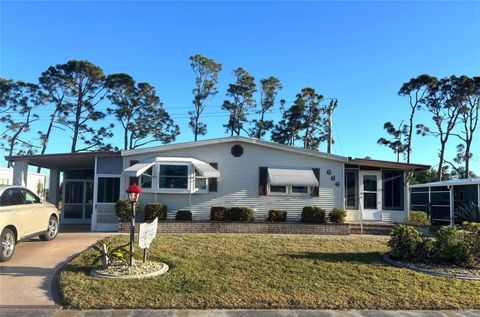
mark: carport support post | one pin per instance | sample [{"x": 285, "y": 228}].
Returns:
[
  {"x": 20, "y": 173},
  {"x": 53, "y": 186}
]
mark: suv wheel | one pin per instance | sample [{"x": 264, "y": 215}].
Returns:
[
  {"x": 8, "y": 244},
  {"x": 52, "y": 230}
]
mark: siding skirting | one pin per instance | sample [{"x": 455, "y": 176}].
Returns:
[{"x": 242, "y": 227}]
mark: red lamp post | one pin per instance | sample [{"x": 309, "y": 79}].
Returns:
[{"x": 133, "y": 193}]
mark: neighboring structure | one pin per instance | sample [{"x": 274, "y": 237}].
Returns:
[
  {"x": 230, "y": 171},
  {"x": 442, "y": 199},
  {"x": 36, "y": 182}
]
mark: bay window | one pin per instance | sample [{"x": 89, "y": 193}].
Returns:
[
  {"x": 173, "y": 176},
  {"x": 146, "y": 178},
  {"x": 200, "y": 182}
]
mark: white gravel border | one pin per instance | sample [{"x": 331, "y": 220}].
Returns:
[
  {"x": 162, "y": 271},
  {"x": 388, "y": 260}
]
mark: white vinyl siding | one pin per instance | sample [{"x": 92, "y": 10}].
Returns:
[{"x": 238, "y": 181}]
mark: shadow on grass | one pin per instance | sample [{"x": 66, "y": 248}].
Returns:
[{"x": 358, "y": 257}]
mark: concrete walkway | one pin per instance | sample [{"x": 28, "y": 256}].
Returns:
[
  {"x": 26, "y": 280},
  {"x": 230, "y": 313}
]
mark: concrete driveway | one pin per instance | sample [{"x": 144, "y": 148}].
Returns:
[{"x": 26, "y": 280}]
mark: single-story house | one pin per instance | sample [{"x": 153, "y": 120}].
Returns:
[{"x": 231, "y": 171}]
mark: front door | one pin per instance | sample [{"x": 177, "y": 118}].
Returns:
[
  {"x": 106, "y": 195},
  {"x": 371, "y": 195},
  {"x": 77, "y": 201}
]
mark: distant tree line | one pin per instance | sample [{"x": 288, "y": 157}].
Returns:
[
  {"x": 71, "y": 96},
  {"x": 454, "y": 105}
]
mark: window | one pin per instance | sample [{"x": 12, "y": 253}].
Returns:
[
  {"x": 108, "y": 189},
  {"x": 288, "y": 190},
  {"x": 351, "y": 189},
  {"x": 299, "y": 189},
  {"x": 278, "y": 189},
  {"x": 173, "y": 177},
  {"x": 146, "y": 178},
  {"x": 11, "y": 197},
  {"x": 30, "y": 198},
  {"x": 200, "y": 182},
  {"x": 393, "y": 189},
  {"x": 370, "y": 191},
  {"x": 73, "y": 192}
]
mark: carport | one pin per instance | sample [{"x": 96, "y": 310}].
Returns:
[
  {"x": 72, "y": 175},
  {"x": 441, "y": 199}
]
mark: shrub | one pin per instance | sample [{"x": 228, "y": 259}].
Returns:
[
  {"x": 153, "y": 211},
  {"x": 404, "y": 242},
  {"x": 469, "y": 212},
  {"x": 447, "y": 248},
  {"x": 240, "y": 213},
  {"x": 123, "y": 210},
  {"x": 338, "y": 215},
  {"x": 473, "y": 227},
  {"x": 183, "y": 215},
  {"x": 219, "y": 213},
  {"x": 313, "y": 214},
  {"x": 277, "y": 215},
  {"x": 418, "y": 218}
]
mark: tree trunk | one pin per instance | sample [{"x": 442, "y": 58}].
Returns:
[
  {"x": 440, "y": 164},
  {"x": 125, "y": 138},
  {"x": 78, "y": 114},
  {"x": 47, "y": 136},
  {"x": 467, "y": 158},
  {"x": 410, "y": 131},
  {"x": 196, "y": 127}
]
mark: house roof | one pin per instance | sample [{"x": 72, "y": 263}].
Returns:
[
  {"x": 282, "y": 147},
  {"x": 451, "y": 182},
  {"x": 63, "y": 161},
  {"x": 388, "y": 164},
  {"x": 81, "y": 160}
]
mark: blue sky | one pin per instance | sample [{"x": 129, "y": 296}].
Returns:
[{"x": 358, "y": 52}]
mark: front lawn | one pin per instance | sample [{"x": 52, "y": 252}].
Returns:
[{"x": 267, "y": 271}]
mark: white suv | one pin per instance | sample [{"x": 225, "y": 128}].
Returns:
[{"x": 24, "y": 215}]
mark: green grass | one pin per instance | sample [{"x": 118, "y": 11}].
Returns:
[{"x": 267, "y": 271}]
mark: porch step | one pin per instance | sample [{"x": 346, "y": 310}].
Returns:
[{"x": 371, "y": 228}]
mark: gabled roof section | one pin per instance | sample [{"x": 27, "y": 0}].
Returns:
[{"x": 282, "y": 147}]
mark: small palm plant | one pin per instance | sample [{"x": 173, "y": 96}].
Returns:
[
  {"x": 469, "y": 212},
  {"x": 106, "y": 255}
]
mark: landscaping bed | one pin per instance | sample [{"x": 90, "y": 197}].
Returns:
[
  {"x": 438, "y": 269},
  {"x": 239, "y": 271},
  {"x": 166, "y": 226}
]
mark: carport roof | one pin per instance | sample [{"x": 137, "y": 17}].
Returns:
[{"x": 63, "y": 161}]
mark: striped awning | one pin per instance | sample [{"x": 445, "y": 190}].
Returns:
[
  {"x": 204, "y": 169},
  {"x": 137, "y": 169},
  {"x": 292, "y": 177}
]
